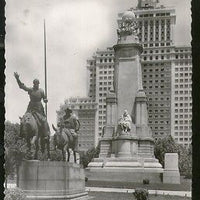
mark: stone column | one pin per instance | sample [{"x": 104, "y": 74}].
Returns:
[
  {"x": 127, "y": 78},
  {"x": 109, "y": 129}
]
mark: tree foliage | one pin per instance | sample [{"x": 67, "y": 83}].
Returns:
[
  {"x": 164, "y": 145},
  {"x": 14, "y": 194},
  {"x": 15, "y": 147},
  {"x": 141, "y": 194},
  {"x": 86, "y": 157},
  {"x": 168, "y": 145}
]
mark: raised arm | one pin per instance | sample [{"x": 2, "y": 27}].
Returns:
[{"x": 21, "y": 85}]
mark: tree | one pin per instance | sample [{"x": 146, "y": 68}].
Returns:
[
  {"x": 185, "y": 161},
  {"x": 86, "y": 157},
  {"x": 168, "y": 145},
  {"x": 164, "y": 145},
  {"x": 15, "y": 148}
]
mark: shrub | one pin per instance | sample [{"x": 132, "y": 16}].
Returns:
[
  {"x": 86, "y": 157},
  {"x": 146, "y": 181},
  {"x": 141, "y": 194},
  {"x": 168, "y": 145},
  {"x": 14, "y": 194}
]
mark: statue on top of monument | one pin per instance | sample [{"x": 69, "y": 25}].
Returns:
[
  {"x": 124, "y": 122},
  {"x": 128, "y": 25}
]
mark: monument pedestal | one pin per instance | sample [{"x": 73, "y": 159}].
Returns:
[
  {"x": 171, "y": 173},
  {"x": 125, "y": 164},
  {"x": 124, "y": 169},
  {"x": 51, "y": 180}
]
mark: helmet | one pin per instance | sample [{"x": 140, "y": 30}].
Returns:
[{"x": 36, "y": 81}]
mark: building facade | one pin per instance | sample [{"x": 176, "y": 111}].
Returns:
[
  {"x": 100, "y": 68},
  {"x": 181, "y": 103}
]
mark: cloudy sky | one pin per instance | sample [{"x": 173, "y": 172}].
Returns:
[{"x": 75, "y": 29}]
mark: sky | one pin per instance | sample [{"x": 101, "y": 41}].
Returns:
[{"x": 75, "y": 29}]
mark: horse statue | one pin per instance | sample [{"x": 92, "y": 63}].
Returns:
[
  {"x": 64, "y": 140},
  {"x": 33, "y": 133}
]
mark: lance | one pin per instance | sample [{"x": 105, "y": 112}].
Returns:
[{"x": 45, "y": 67}]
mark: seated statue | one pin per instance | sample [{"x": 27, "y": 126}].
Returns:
[{"x": 124, "y": 122}]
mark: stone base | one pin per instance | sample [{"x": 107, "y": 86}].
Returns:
[
  {"x": 122, "y": 175},
  {"x": 171, "y": 177},
  {"x": 134, "y": 170},
  {"x": 80, "y": 196},
  {"x": 171, "y": 173},
  {"x": 51, "y": 180}
]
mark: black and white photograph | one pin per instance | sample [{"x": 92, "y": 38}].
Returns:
[{"x": 98, "y": 100}]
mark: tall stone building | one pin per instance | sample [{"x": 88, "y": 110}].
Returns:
[
  {"x": 181, "y": 99},
  {"x": 100, "y": 80}
]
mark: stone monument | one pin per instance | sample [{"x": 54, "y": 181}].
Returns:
[
  {"x": 171, "y": 173},
  {"x": 127, "y": 146}
]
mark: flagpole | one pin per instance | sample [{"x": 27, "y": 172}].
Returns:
[{"x": 45, "y": 67}]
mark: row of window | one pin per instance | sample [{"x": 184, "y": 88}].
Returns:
[
  {"x": 156, "y": 51},
  {"x": 183, "y": 133},
  {"x": 181, "y": 86},
  {"x": 162, "y": 44},
  {"x": 182, "y": 98},
  {"x": 182, "y": 92},
  {"x": 105, "y": 77},
  {"x": 156, "y": 75},
  {"x": 156, "y": 86},
  {"x": 151, "y": 37},
  {"x": 158, "y": 122},
  {"x": 86, "y": 107},
  {"x": 102, "y": 106},
  {"x": 167, "y": 98},
  {"x": 157, "y": 22},
  {"x": 183, "y": 81},
  {"x": 159, "y": 116},
  {"x": 159, "y": 128},
  {"x": 152, "y": 15},
  {"x": 105, "y": 83},
  {"x": 105, "y": 72},
  {"x": 105, "y": 67},
  {"x": 183, "y": 56},
  {"x": 183, "y": 116},
  {"x": 189, "y": 69},
  {"x": 159, "y": 111},
  {"x": 183, "y": 74},
  {"x": 183, "y": 104},
  {"x": 157, "y": 93},
  {"x": 154, "y": 70},
  {"x": 104, "y": 88},
  {"x": 181, "y": 139},
  {"x": 180, "y": 63},
  {"x": 183, "y": 110},
  {"x": 156, "y": 57},
  {"x": 160, "y": 105},
  {"x": 106, "y": 60}
]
